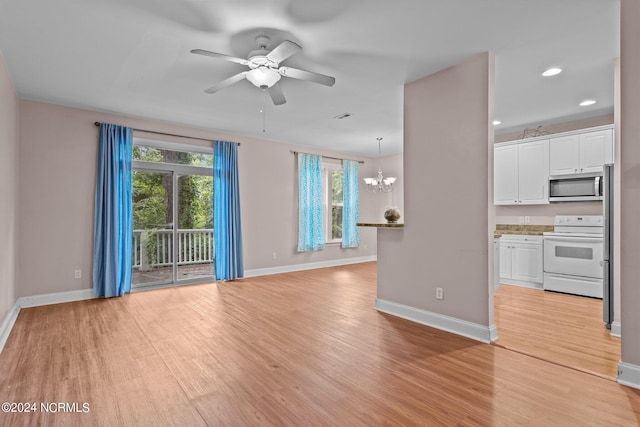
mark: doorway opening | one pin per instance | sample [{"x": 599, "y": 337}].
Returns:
[
  {"x": 561, "y": 328},
  {"x": 172, "y": 192}
]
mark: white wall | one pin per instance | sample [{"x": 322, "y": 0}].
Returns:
[
  {"x": 560, "y": 127},
  {"x": 58, "y": 147},
  {"x": 8, "y": 190},
  {"x": 445, "y": 241}
]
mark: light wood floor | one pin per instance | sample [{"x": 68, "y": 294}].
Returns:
[
  {"x": 303, "y": 348},
  {"x": 565, "y": 329}
]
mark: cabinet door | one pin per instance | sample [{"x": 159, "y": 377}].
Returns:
[
  {"x": 533, "y": 173},
  {"x": 526, "y": 262},
  {"x": 595, "y": 150},
  {"x": 505, "y": 261},
  {"x": 505, "y": 175},
  {"x": 564, "y": 155}
]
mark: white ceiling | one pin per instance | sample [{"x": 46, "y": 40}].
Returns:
[{"x": 132, "y": 57}]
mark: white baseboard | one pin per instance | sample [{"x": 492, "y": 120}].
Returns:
[
  {"x": 307, "y": 266},
  {"x": 481, "y": 333},
  {"x": 57, "y": 298},
  {"x": 35, "y": 301},
  {"x": 616, "y": 329},
  {"x": 629, "y": 374},
  {"x": 7, "y": 324}
]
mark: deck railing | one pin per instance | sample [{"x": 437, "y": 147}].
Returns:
[{"x": 155, "y": 248}]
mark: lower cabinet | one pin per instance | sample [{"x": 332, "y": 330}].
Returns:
[{"x": 521, "y": 260}]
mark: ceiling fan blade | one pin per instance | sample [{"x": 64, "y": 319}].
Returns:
[
  {"x": 227, "y": 82},
  {"x": 277, "y": 96},
  {"x": 220, "y": 56},
  {"x": 307, "y": 75},
  {"x": 283, "y": 51}
]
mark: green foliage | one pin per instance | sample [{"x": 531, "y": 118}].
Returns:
[
  {"x": 148, "y": 196},
  {"x": 152, "y": 192},
  {"x": 337, "y": 191}
]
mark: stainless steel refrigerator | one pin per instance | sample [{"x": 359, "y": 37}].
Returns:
[{"x": 607, "y": 262}]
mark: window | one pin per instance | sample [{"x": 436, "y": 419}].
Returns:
[
  {"x": 328, "y": 207},
  {"x": 333, "y": 187}
]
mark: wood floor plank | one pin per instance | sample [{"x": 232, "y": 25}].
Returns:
[
  {"x": 304, "y": 348},
  {"x": 565, "y": 329}
]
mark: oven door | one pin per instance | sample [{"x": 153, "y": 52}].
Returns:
[{"x": 576, "y": 256}]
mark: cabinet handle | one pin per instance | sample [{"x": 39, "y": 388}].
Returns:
[{"x": 575, "y": 170}]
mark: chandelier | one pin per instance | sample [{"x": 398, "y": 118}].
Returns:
[{"x": 380, "y": 183}]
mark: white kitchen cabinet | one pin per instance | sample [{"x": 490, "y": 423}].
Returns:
[
  {"x": 521, "y": 260},
  {"x": 521, "y": 173},
  {"x": 580, "y": 153}
]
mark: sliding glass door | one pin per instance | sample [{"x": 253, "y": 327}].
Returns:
[
  {"x": 172, "y": 217},
  {"x": 194, "y": 236}
]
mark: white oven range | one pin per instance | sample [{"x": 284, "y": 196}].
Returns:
[{"x": 573, "y": 255}]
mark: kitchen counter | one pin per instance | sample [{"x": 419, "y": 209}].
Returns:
[
  {"x": 380, "y": 224},
  {"x": 525, "y": 229}
]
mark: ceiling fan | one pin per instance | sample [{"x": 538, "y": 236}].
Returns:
[{"x": 265, "y": 70}]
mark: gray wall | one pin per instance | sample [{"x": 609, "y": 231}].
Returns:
[
  {"x": 630, "y": 179},
  {"x": 8, "y": 190},
  {"x": 58, "y": 147},
  {"x": 445, "y": 241}
]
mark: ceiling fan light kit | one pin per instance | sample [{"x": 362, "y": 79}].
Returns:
[
  {"x": 265, "y": 70},
  {"x": 263, "y": 77}
]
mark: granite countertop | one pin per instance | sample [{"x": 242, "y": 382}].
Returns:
[
  {"x": 381, "y": 224},
  {"x": 525, "y": 229}
]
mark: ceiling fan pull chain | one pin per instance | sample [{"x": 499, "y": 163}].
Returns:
[{"x": 264, "y": 110}]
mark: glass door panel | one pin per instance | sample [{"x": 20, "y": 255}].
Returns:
[
  {"x": 194, "y": 236},
  {"x": 152, "y": 258}
]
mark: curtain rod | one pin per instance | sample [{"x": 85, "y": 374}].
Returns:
[
  {"x": 326, "y": 157},
  {"x": 167, "y": 134}
]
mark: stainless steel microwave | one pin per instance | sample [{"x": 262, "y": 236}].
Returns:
[{"x": 575, "y": 188}]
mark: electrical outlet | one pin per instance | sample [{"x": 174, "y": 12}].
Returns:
[
  {"x": 527, "y": 219},
  {"x": 439, "y": 293},
  {"x": 275, "y": 255},
  {"x": 521, "y": 219},
  {"x": 78, "y": 274}
]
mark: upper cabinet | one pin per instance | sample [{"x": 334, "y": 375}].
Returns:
[
  {"x": 522, "y": 168},
  {"x": 580, "y": 153},
  {"x": 521, "y": 173}
]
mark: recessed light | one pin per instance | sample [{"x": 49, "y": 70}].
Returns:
[
  {"x": 587, "y": 102},
  {"x": 496, "y": 122},
  {"x": 551, "y": 72}
]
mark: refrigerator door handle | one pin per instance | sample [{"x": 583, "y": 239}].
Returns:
[{"x": 607, "y": 297}]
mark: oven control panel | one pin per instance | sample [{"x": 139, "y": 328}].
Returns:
[{"x": 579, "y": 220}]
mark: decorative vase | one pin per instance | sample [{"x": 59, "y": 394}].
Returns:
[{"x": 392, "y": 215}]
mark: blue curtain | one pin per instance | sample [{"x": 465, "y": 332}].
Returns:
[
  {"x": 310, "y": 218},
  {"x": 350, "y": 207},
  {"x": 227, "y": 230},
  {"x": 112, "y": 244}
]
